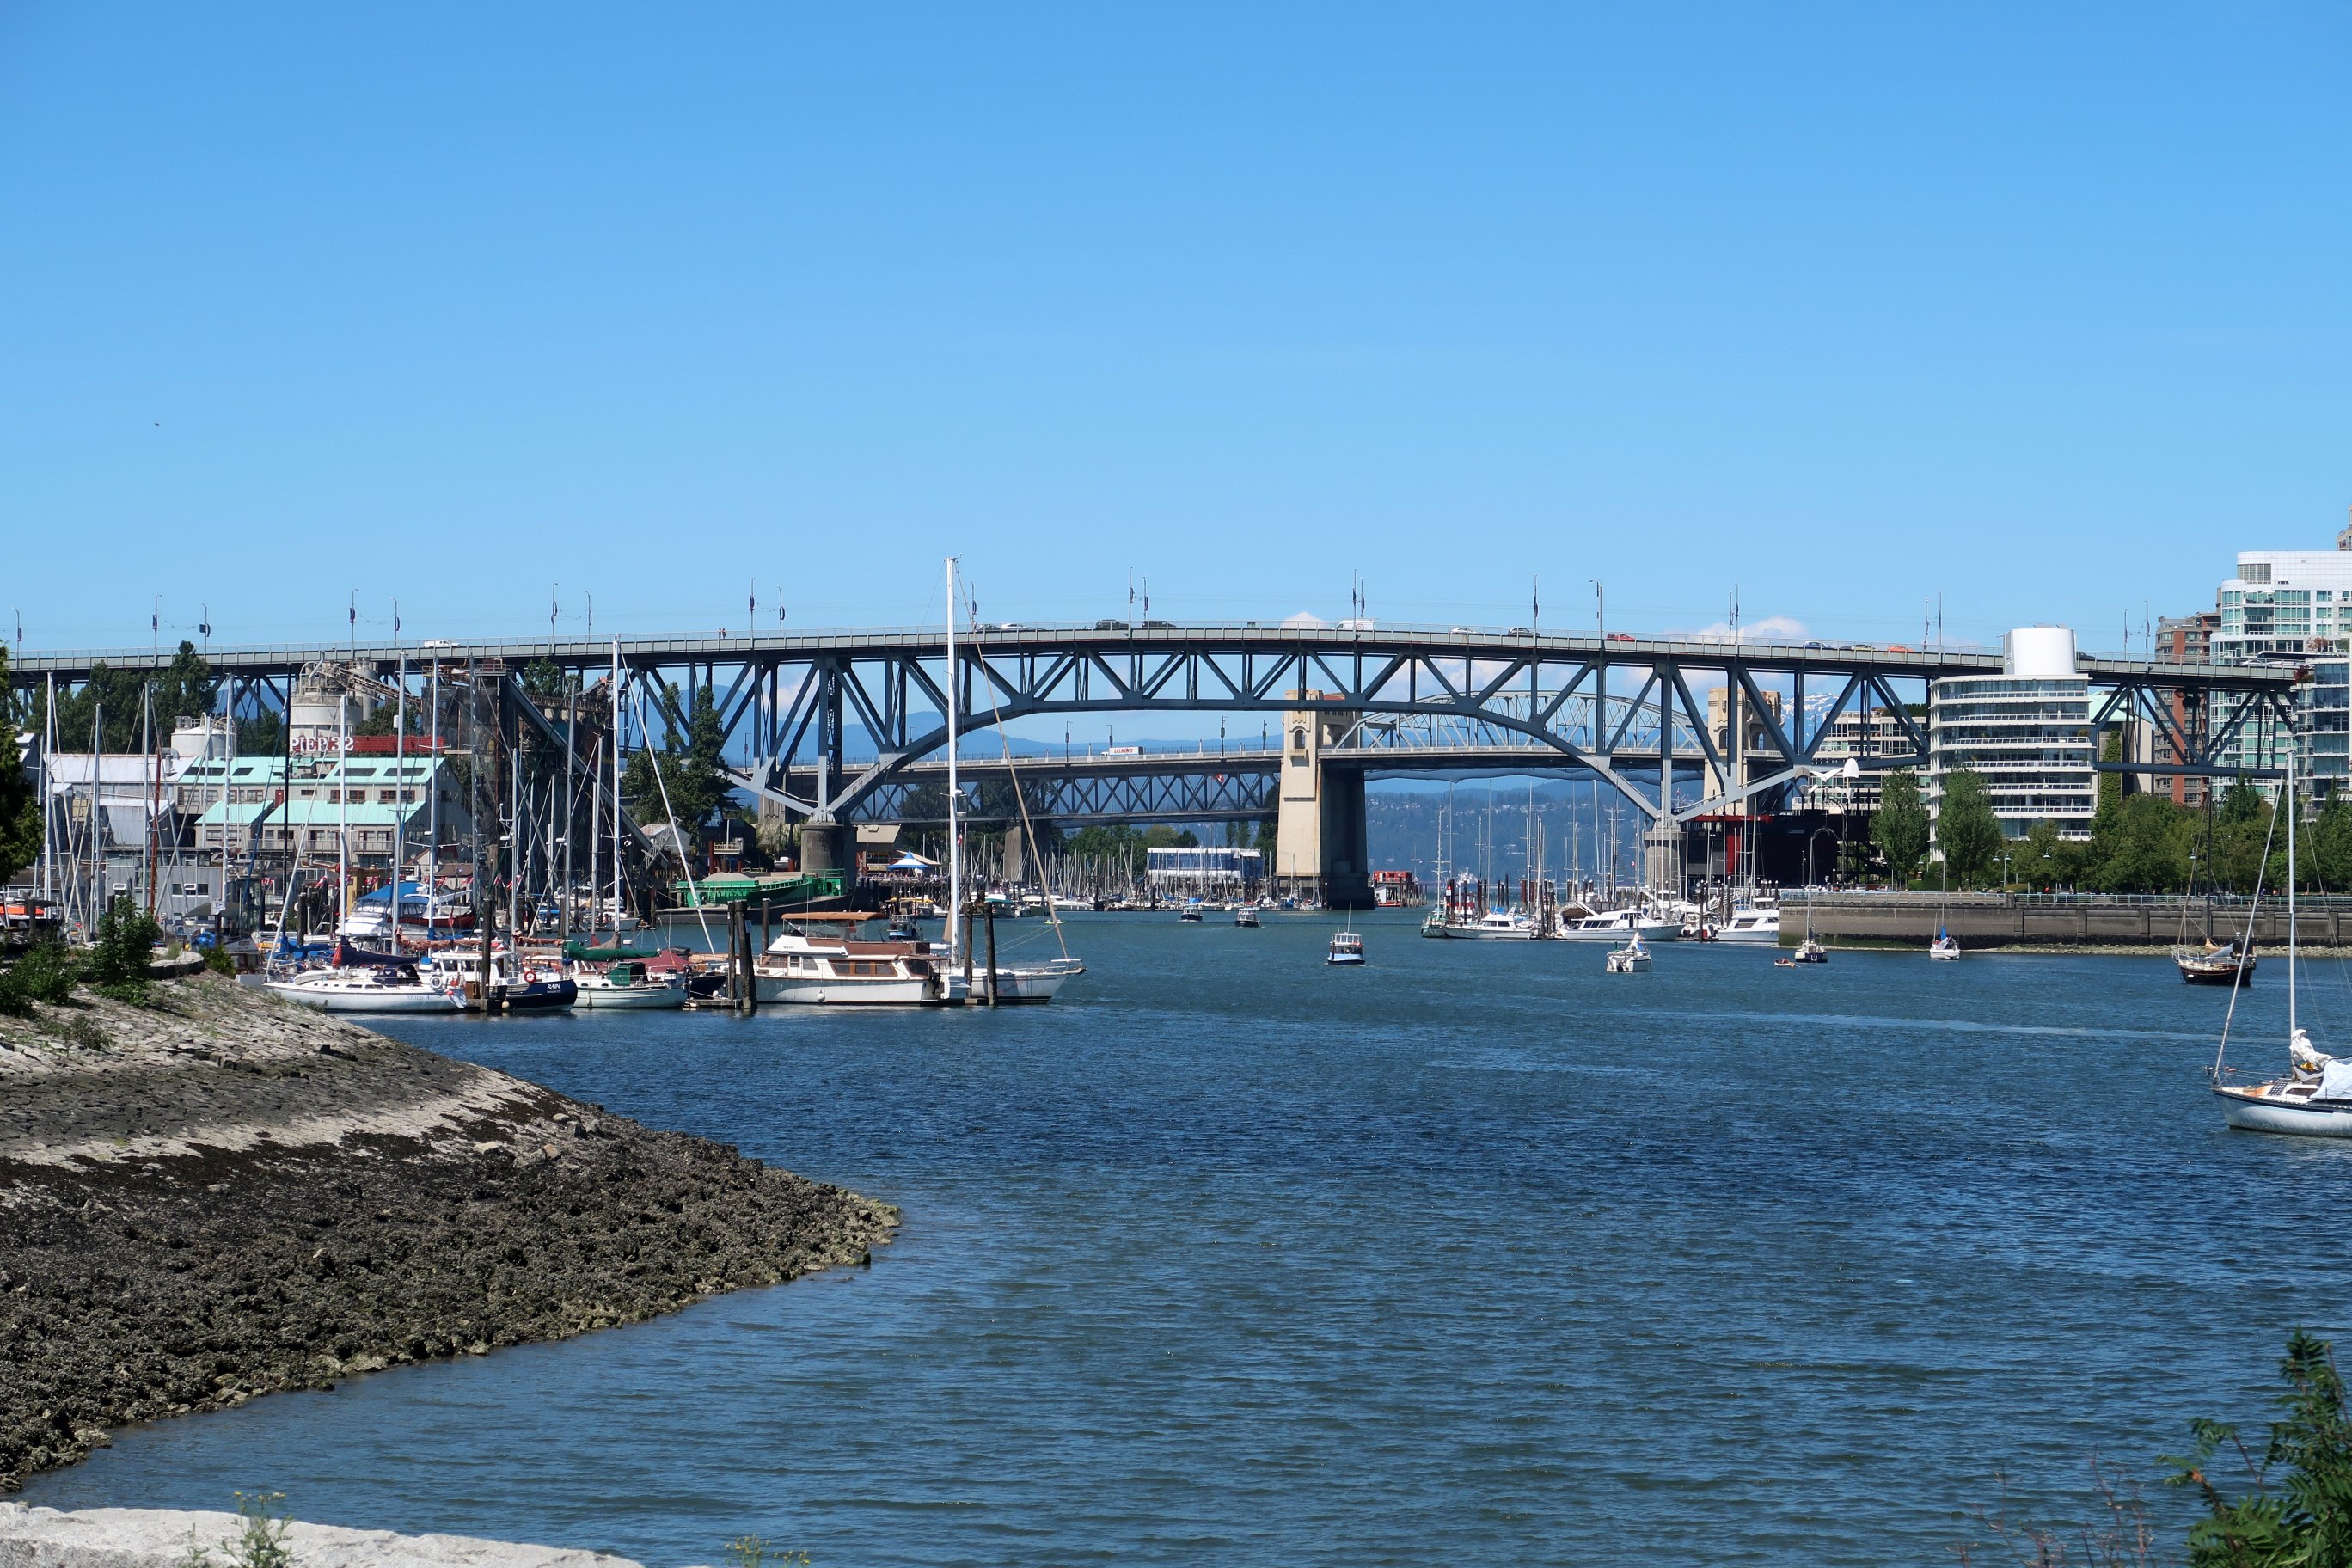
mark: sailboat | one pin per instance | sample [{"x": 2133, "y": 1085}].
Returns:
[
  {"x": 1002, "y": 984},
  {"x": 2215, "y": 962},
  {"x": 1946, "y": 945},
  {"x": 2314, "y": 1099}
]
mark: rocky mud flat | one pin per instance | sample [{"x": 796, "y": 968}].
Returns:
[{"x": 221, "y": 1195}]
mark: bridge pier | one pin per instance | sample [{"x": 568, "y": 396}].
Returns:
[
  {"x": 824, "y": 847},
  {"x": 1345, "y": 866},
  {"x": 1320, "y": 848}
]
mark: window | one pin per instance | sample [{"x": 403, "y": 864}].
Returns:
[{"x": 1298, "y": 740}]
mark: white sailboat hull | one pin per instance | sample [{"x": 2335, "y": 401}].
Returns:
[
  {"x": 1027, "y": 984},
  {"x": 642, "y": 998},
  {"x": 365, "y": 999},
  {"x": 2255, "y": 1113}
]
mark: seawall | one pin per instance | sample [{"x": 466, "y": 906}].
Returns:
[
  {"x": 2000, "y": 919},
  {"x": 223, "y": 1195}
]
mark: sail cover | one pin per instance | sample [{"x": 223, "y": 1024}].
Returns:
[{"x": 2335, "y": 1081}]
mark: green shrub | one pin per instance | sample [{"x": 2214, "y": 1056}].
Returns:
[
  {"x": 260, "y": 1539},
  {"x": 2297, "y": 1508},
  {"x": 48, "y": 972},
  {"x": 118, "y": 960}
]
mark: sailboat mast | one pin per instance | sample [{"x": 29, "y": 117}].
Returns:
[
  {"x": 955, "y": 835},
  {"x": 400, "y": 797},
  {"x": 342, "y": 810},
  {"x": 2289, "y": 794},
  {"x": 433, "y": 803},
  {"x": 616, "y": 792}
]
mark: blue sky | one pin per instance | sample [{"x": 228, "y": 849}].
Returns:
[{"x": 2040, "y": 308}]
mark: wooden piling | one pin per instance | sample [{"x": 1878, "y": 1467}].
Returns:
[{"x": 991, "y": 917}]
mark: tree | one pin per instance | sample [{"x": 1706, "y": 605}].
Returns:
[
  {"x": 690, "y": 777},
  {"x": 2240, "y": 827},
  {"x": 1899, "y": 826},
  {"x": 2042, "y": 860},
  {"x": 2328, "y": 868},
  {"x": 2304, "y": 1519},
  {"x": 186, "y": 688},
  {"x": 1966, "y": 828},
  {"x": 261, "y": 736},
  {"x": 2143, "y": 848},
  {"x": 20, "y": 806}
]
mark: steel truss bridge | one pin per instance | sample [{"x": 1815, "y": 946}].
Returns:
[{"x": 1624, "y": 710}]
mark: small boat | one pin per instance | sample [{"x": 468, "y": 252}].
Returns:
[
  {"x": 1811, "y": 951},
  {"x": 627, "y": 983},
  {"x": 904, "y": 928},
  {"x": 1631, "y": 959},
  {"x": 1347, "y": 947},
  {"x": 2215, "y": 963},
  {"x": 1946, "y": 945},
  {"x": 1190, "y": 911},
  {"x": 1246, "y": 915}
]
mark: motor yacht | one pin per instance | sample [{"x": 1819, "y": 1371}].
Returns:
[
  {"x": 1762, "y": 927},
  {"x": 1347, "y": 949},
  {"x": 1616, "y": 925},
  {"x": 826, "y": 971},
  {"x": 1495, "y": 925}
]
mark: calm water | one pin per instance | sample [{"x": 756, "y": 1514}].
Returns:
[{"x": 1477, "y": 1254}]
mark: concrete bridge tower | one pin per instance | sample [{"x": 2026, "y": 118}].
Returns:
[{"x": 1320, "y": 849}]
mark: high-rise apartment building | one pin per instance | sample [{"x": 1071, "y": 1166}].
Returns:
[{"x": 2026, "y": 731}]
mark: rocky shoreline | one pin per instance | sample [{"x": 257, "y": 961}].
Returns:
[{"x": 220, "y": 1195}]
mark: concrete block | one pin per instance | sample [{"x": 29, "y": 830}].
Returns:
[{"x": 159, "y": 1538}]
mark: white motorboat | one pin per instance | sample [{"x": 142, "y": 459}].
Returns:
[
  {"x": 1347, "y": 949},
  {"x": 801, "y": 970},
  {"x": 375, "y": 988},
  {"x": 1617, "y": 925},
  {"x": 1495, "y": 925},
  {"x": 1631, "y": 959},
  {"x": 2315, "y": 1098},
  {"x": 1759, "y": 926},
  {"x": 1246, "y": 915},
  {"x": 626, "y": 983}
]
